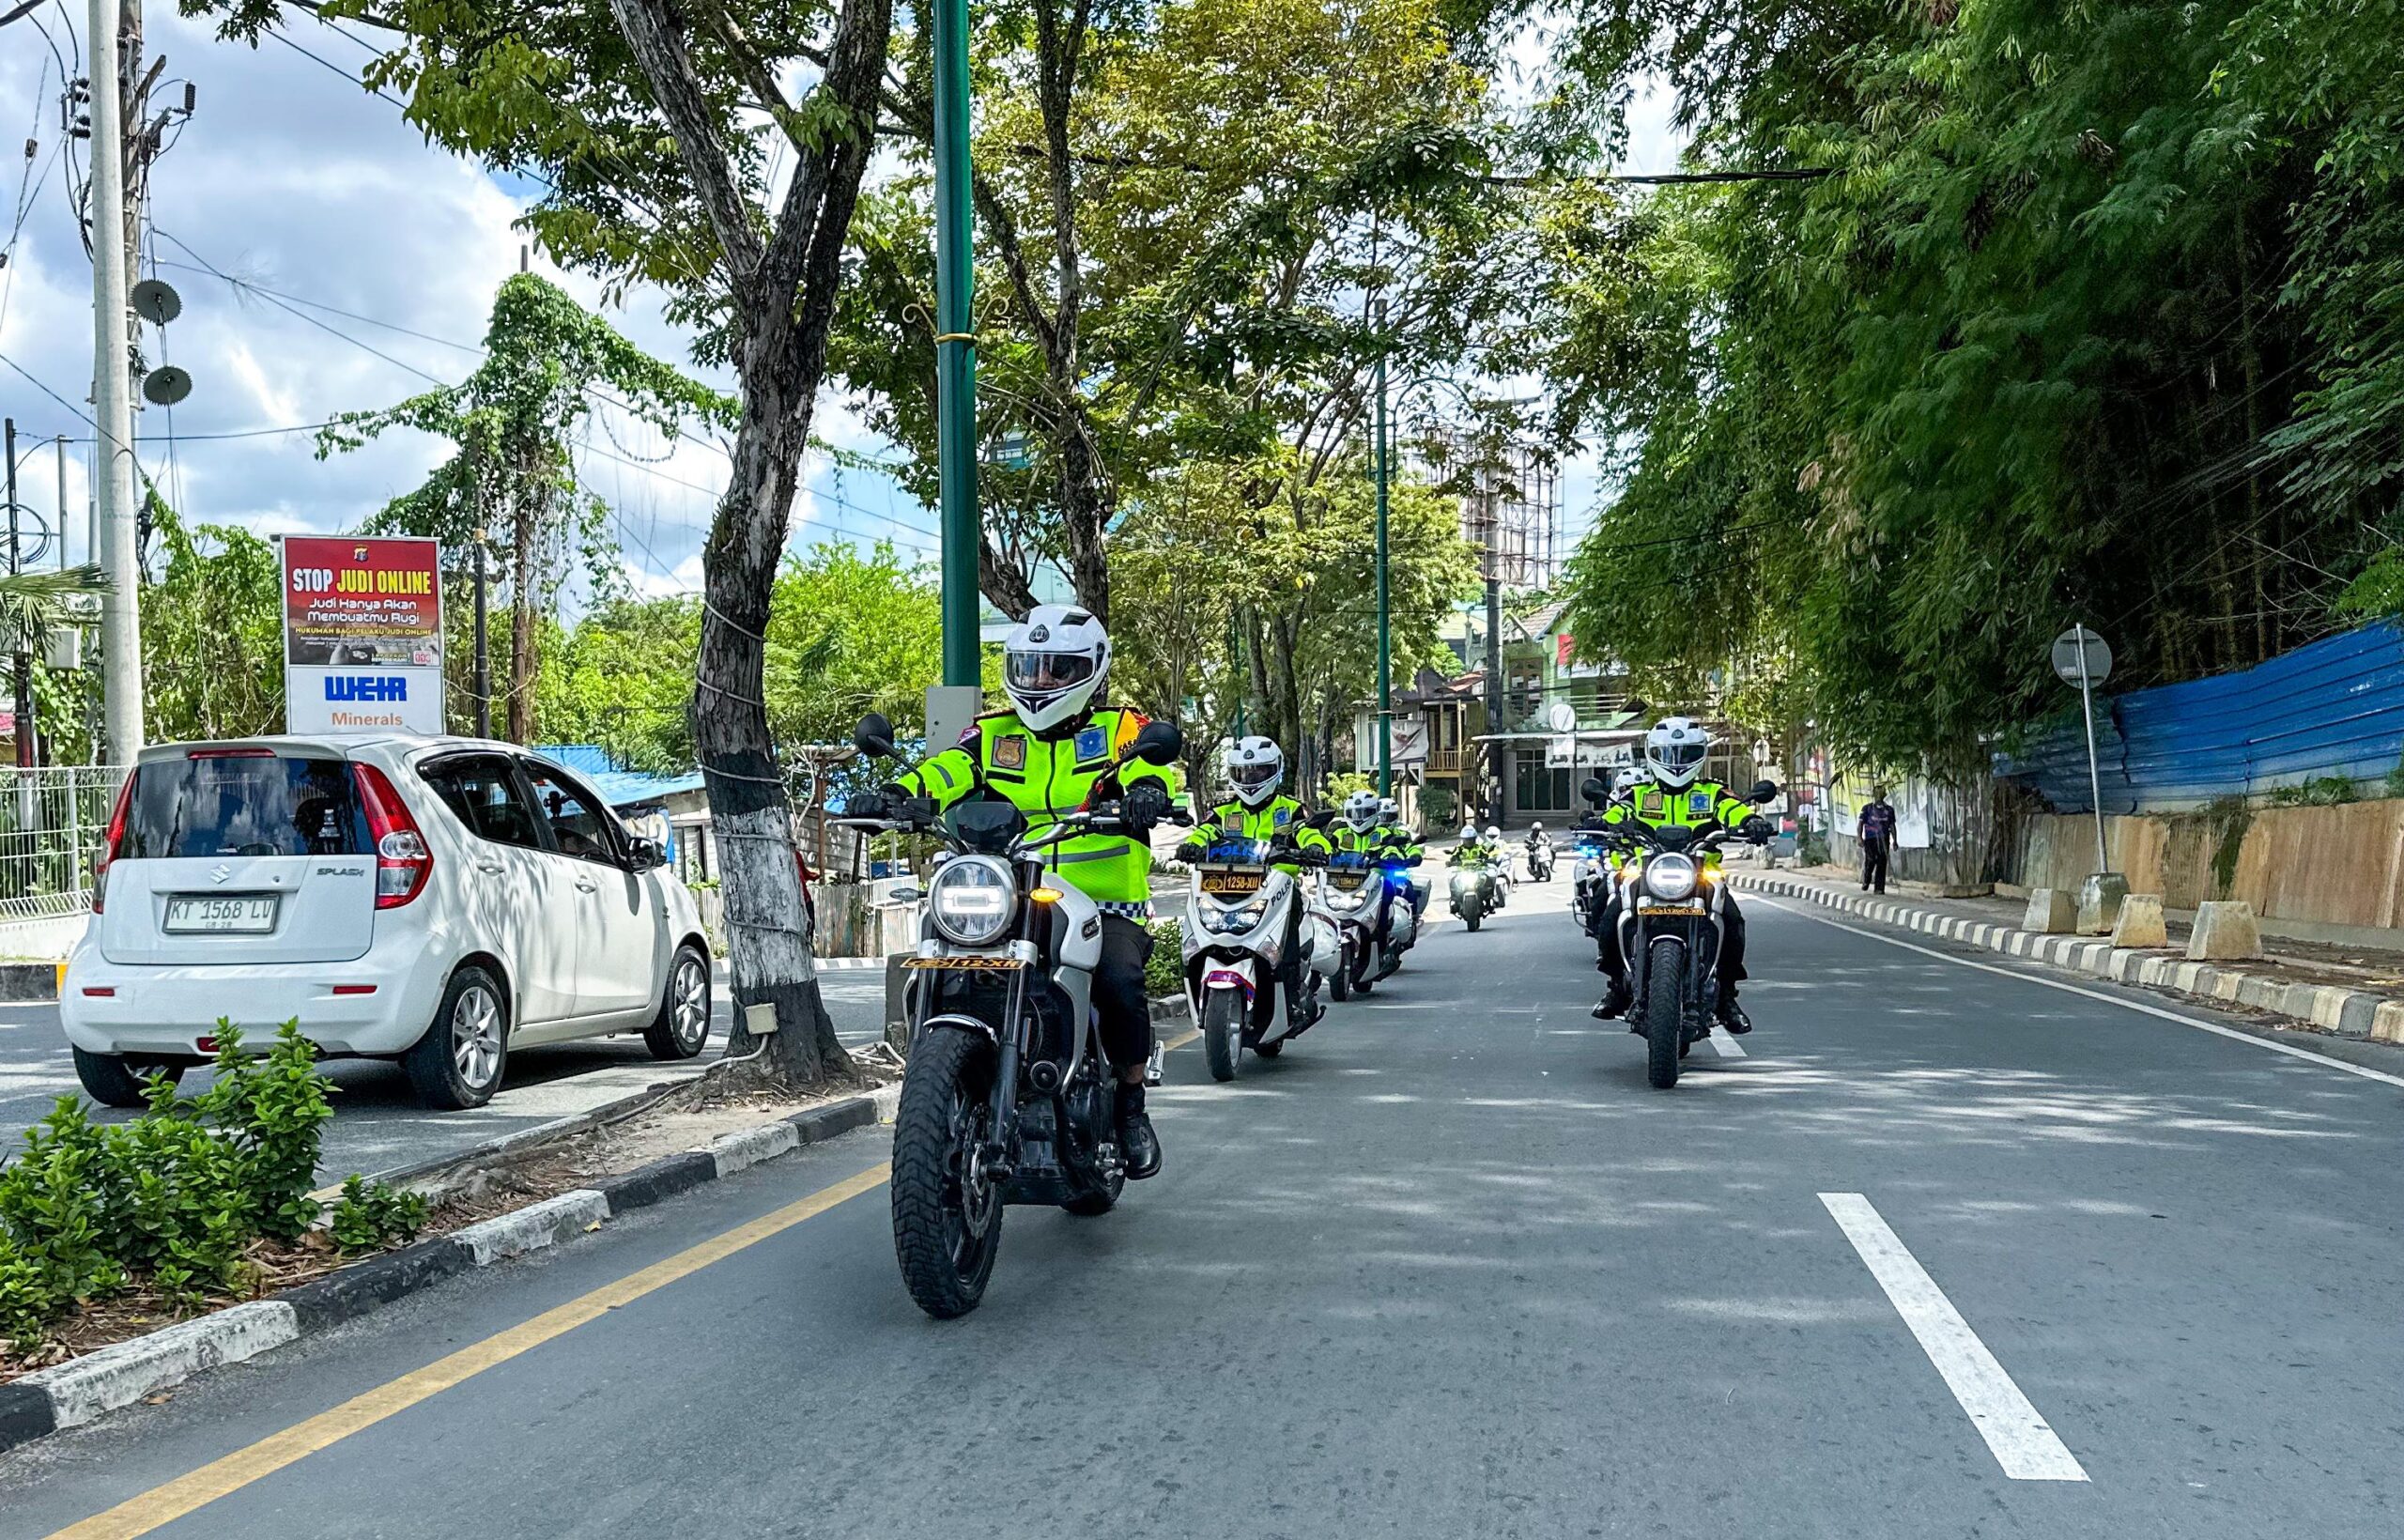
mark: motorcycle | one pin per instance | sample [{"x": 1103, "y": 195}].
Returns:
[
  {"x": 1236, "y": 918},
  {"x": 1010, "y": 1096},
  {"x": 1670, "y": 923},
  {"x": 1476, "y": 891},
  {"x": 1539, "y": 855}
]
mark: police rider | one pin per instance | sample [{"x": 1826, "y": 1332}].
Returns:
[
  {"x": 1255, "y": 769},
  {"x": 1676, "y": 796},
  {"x": 1047, "y": 755}
]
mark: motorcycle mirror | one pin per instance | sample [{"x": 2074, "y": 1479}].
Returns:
[
  {"x": 1594, "y": 791},
  {"x": 873, "y": 737},
  {"x": 1159, "y": 743},
  {"x": 1763, "y": 790}
]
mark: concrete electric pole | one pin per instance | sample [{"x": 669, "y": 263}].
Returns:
[{"x": 111, "y": 389}]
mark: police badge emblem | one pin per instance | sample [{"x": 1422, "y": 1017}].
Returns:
[{"x": 1009, "y": 752}]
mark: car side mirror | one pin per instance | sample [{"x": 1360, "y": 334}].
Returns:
[
  {"x": 1158, "y": 743},
  {"x": 873, "y": 737},
  {"x": 1594, "y": 791},
  {"x": 1763, "y": 790},
  {"x": 645, "y": 853}
]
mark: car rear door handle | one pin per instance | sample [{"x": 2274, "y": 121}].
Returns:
[
  {"x": 586, "y": 884},
  {"x": 492, "y": 868}
]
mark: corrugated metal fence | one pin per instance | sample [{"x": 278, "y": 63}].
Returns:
[{"x": 2332, "y": 709}]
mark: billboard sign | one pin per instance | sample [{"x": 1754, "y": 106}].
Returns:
[{"x": 362, "y": 634}]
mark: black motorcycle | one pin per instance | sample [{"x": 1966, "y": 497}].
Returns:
[
  {"x": 1671, "y": 922},
  {"x": 1009, "y": 1097}
]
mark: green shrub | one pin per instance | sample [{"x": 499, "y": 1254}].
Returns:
[
  {"x": 2319, "y": 792},
  {"x": 370, "y": 1215},
  {"x": 174, "y": 1198},
  {"x": 1166, "y": 972}
]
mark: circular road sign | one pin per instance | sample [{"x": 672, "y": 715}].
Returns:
[
  {"x": 1563, "y": 716},
  {"x": 2070, "y": 645}
]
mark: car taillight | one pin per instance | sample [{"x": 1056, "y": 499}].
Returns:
[
  {"x": 112, "y": 842},
  {"x": 403, "y": 859}
]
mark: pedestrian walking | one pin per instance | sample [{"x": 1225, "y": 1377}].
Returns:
[{"x": 1877, "y": 826}]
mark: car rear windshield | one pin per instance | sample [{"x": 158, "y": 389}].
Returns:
[{"x": 243, "y": 805}]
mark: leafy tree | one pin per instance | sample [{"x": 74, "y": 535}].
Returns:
[
  {"x": 650, "y": 125},
  {"x": 212, "y": 633},
  {"x": 547, "y": 363}
]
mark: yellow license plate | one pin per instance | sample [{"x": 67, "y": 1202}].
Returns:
[
  {"x": 1694, "y": 911},
  {"x": 1231, "y": 881},
  {"x": 990, "y": 963}
]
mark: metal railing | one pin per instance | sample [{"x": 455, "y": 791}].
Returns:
[{"x": 51, "y": 823}]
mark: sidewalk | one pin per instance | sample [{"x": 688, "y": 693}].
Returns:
[{"x": 2337, "y": 991}]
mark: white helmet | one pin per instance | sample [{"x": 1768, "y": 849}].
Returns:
[
  {"x": 1388, "y": 810},
  {"x": 1256, "y": 768},
  {"x": 1536, "y": 827},
  {"x": 1469, "y": 834},
  {"x": 1674, "y": 750},
  {"x": 1053, "y": 664},
  {"x": 1360, "y": 810},
  {"x": 1493, "y": 833}
]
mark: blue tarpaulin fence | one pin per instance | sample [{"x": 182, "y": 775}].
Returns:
[{"x": 2333, "y": 708}]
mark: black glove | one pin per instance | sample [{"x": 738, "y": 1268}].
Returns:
[
  {"x": 867, "y": 804},
  {"x": 1144, "y": 805},
  {"x": 1192, "y": 851},
  {"x": 1757, "y": 829}
]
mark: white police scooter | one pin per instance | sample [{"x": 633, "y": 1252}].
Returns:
[{"x": 1235, "y": 915}]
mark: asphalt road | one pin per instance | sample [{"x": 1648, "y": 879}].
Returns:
[
  {"x": 1448, "y": 1269},
  {"x": 379, "y": 1125}
]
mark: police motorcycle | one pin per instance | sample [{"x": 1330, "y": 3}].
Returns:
[
  {"x": 1009, "y": 1098},
  {"x": 1366, "y": 919},
  {"x": 1235, "y": 915},
  {"x": 1477, "y": 889},
  {"x": 1670, "y": 927},
  {"x": 1538, "y": 851}
]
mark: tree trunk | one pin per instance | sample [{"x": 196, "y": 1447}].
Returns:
[
  {"x": 784, "y": 289},
  {"x": 521, "y": 628}
]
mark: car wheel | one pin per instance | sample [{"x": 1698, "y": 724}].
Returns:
[
  {"x": 459, "y": 1063},
  {"x": 681, "y": 1028},
  {"x": 115, "y": 1081}
]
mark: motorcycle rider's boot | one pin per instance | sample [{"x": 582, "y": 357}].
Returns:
[
  {"x": 1141, "y": 1145},
  {"x": 1615, "y": 1001},
  {"x": 1731, "y": 1015}
]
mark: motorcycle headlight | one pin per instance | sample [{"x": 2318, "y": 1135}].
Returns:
[
  {"x": 1228, "y": 922},
  {"x": 1670, "y": 877},
  {"x": 971, "y": 899},
  {"x": 1341, "y": 902}
]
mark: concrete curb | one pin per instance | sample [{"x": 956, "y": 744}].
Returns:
[
  {"x": 2331, "y": 1006},
  {"x": 84, "y": 1388}
]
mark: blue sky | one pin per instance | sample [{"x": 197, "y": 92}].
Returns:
[{"x": 292, "y": 178}]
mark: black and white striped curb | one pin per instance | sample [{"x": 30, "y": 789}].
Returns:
[
  {"x": 2332, "y": 1006},
  {"x": 119, "y": 1376}
]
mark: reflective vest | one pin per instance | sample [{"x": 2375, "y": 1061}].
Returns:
[
  {"x": 1704, "y": 803},
  {"x": 1231, "y": 818},
  {"x": 1046, "y": 776}
]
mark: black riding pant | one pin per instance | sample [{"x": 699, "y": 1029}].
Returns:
[
  {"x": 1732, "y": 943},
  {"x": 1873, "y": 864},
  {"x": 1119, "y": 998}
]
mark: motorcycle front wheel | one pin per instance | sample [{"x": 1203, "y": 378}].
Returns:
[
  {"x": 1339, "y": 983},
  {"x": 947, "y": 1217},
  {"x": 1223, "y": 1032},
  {"x": 1665, "y": 976}
]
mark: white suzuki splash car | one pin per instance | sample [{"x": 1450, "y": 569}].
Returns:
[{"x": 435, "y": 901}]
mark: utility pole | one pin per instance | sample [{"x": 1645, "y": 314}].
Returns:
[
  {"x": 1496, "y": 751},
  {"x": 1385, "y": 626},
  {"x": 484, "y": 650},
  {"x": 112, "y": 379},
  {"x": 25, "y": 669},
  {"x": 952, "y": 707}
]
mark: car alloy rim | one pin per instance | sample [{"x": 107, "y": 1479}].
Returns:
[
  {"x": 475, "y": 1035},
  {"x": 692, "y": 1002}
]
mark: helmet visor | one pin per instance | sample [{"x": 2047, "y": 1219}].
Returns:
[
  {"x": 1042, "y": 673},
  {"x": 1685, "y": 756},
  {"x": 1248, "y": 776}
]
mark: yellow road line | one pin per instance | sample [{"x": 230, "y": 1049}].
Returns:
[
  {"x": 1176, "y": 1043},
  {"x": 164, "y": 1505}
]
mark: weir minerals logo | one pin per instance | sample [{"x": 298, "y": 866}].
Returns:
[{"x": 367, "y": 687}]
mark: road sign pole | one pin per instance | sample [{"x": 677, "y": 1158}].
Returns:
[{"x": 2094, "y": 775}]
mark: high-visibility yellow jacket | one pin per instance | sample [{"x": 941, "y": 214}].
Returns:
[
  {"x": 1279, "y": 814},
  {"x": 1046, "y": 775}
]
